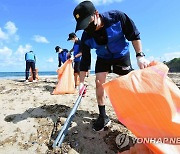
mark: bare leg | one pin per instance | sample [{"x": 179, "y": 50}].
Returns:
[
  {"x": 103, "y": 120},
  {"x": 76, "y": 79},
  {"x": 100, "y": 79}
]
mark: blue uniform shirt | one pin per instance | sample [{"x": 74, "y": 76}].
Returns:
[
  {"x": 62, "y": 57},
  {"x": 76, "y": 49},
  {"x": 30, "y": 56}
]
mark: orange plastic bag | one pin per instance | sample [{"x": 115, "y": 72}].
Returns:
[
  {"x": 66, "y": 83},
  {"x": 148, "y": 103},
  {"x": 31, "y": 76}
]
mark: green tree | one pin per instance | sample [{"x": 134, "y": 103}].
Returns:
[{"x": 174, "y": 65}]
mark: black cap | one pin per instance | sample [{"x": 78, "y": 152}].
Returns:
[
  {"x": 71, "y": 35},
  {"x": 57, "y": 48},
  {"x": 82, "y": 13}
]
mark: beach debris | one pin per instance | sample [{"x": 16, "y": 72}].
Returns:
[
  {"x": 72, "y": 151},
  {"x": 75, "y": 132},
  {"x": 74, "y": 144},
  {"x": 62, "y": 120}
]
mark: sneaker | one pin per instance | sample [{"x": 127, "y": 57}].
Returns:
[
  {"x": 101, "y": 123},
  {"x": 26, "y": 81},
  {"x": 34, "y": 80}
]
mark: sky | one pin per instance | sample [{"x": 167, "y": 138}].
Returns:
[{"x": 41, "y": 25}]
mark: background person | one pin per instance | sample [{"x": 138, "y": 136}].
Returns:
[
  {"x": 30, "y": 59},
  {"x": 76, "y": 56},
  {"x": 63, "y": 55}
]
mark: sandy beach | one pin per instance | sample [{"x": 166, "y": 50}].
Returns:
[{"x": 29, "y": 112}]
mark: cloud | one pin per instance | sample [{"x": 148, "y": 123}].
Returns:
[
  {"x": 3, "y": 35},
  {"x": 40, "y": 39},
  {"x": 10, "y": 58},
  {"x": 11, "y": 28},
  {"x": 50, "y": 60},
  {"x": 5, "y": 56},
  {"x": 20, "y": 52},
  {"x": 171, "y": 55},
  {"x": 166, "y": 56},
  {"x": 101, "y": 2},
  {"x": 5, "y": 52},
  {"x": 9, "y": 32}
]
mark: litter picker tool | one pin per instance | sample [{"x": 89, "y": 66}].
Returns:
[{"x": 64, "y": 130}]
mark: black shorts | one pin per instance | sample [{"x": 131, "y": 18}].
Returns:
[
  {"x": 120, "y": 66},
  {"x": 76, "y": 66}
]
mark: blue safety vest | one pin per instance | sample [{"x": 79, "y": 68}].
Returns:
[{"x": 29, "y": 56}]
